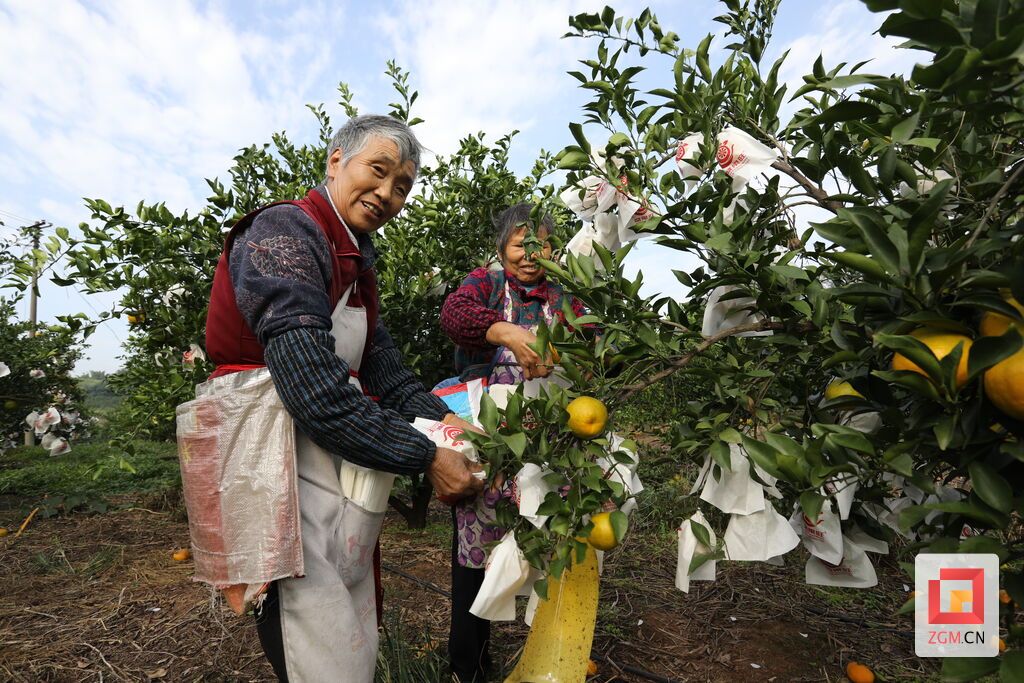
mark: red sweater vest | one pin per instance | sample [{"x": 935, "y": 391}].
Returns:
[{"x": 230, "y": 342}]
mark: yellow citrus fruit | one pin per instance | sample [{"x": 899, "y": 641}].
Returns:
[
  {"x": 859, "y": 673},
  {"x": 136, "y": 318},
  {"x": 181, "y": 555},
  {"x": 995, "y": 324},
  {"x": 3, "y": 531},
  {"x": 837, "y": 389},
  {"x": 941, "y": 343},
  {"x": 587, "y": 417},
  {"x": 602, "y": 536},
  {"x": 1004, "y": 385},
  {"x": 591, "y": 667}
]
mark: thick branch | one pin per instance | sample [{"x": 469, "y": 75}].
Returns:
[{"x": 814, "y": 190}]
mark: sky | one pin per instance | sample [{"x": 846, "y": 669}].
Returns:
[{"x": 130, "y": 100}]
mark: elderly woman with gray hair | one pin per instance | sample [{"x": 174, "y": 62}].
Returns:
[
  {"x": 491, "y": 318},
  {"x": 294, "y": 302}
]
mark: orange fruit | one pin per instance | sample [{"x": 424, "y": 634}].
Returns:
[
  {"x": 587, "y": 417},
  {"x": 1002, "y": 645},
  {"x": 591, "y": 667},
  {"x": 1004, "y": 597},
  {"x": 1004, "y": 385},
  {"x": 995, "y": 324},
  {"x": 941, "y": 343},
  {"x": 838, "y": 388},
  {"x": 602, "y": 536},
  {"x": 181, "y": 555},
  {"x": 3, "y": 531},
  {"x": 859, "y": 673}
]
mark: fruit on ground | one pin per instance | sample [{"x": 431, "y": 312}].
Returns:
[
  {"x": 3, "y": 531},
  {"x": 587, "y": 417},
  {"x": 591, "y": 668},
  {"x": 602, "y": 536},
  {"x": 182, "y": 555},
  {"x": 840, "y": 388},
  {"x": 10, "y": 404},
  {"x": 1002, "y": 645},
  {"x": 859, "y": 673},
  {"x": 941, "y": 344},
  {"x": 1004, "y": 385},
  {"x": 995, "y": 324},
  {"x": 1004, "y": 597}
]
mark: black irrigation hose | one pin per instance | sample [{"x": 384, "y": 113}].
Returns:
[{"x": 440, "y": 591}]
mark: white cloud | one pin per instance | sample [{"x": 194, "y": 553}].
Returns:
[
  {"x": 494, "y": 66},
  {"x": 845, "y": 32},
  {"x": 139, "y": 100}
]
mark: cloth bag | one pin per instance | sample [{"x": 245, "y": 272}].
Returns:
[
  {"x": 236, "y": 447},
  {"x": 724, "y": 313},
  {"x": 529, "y": 491}
]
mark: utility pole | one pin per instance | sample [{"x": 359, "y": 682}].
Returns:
[{"x": 36, "y": 230}]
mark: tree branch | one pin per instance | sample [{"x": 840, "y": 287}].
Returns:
[
  {"x": 686, "y": 358},
  {"x": 992, "y": 205},
  {"x": 814, "y": 190}
]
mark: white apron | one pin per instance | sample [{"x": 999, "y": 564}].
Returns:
[{"x": 328, "y": 617}]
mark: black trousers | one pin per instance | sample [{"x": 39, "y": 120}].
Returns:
[
  {"x": 268, "y": 626},
  {"x": 470, "y": 636}
]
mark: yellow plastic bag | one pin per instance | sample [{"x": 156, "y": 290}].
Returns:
[{"x": 558, "y": 647}]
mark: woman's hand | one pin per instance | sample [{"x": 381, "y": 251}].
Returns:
[{"x": 517, "y": 340}]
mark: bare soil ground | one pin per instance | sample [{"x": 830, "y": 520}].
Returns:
[{"x": 98, "y": 598}]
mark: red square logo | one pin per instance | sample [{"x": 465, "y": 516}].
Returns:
[{"x": 958, "y": 614}]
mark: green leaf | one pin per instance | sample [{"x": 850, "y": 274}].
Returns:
[
  {"x": 902, "y": 131},
  {"x": 575, "y": 159},
  {"x": 990, "y": 486},
  {"x": 988, "y": 351},
  {"x": 577, "y": 132},
  {"x": 1013, "y": 666},
  {"x": 915, "y": 351},
  {"x": 620, "y": 524},
  {"x": 541, "y": 588},
  {"x": 488, "y": 414},
  {"x": 730, "y": 435},
  {"x": 516, "y": 442},
  {"x": 964, "y": 669},
  {"x": 764, "y": 456},
  {"x": 847, "y": 110},
  {"x": 720, "y": 454},
  {"x": 859, "y": 262},
  {"x": 701, "y": 532},
  {"x": 810, "y": 503}
]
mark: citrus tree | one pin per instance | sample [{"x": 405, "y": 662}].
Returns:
[
  {"x": 906, "y": 287},
  {"x": 35, "y": 376}
]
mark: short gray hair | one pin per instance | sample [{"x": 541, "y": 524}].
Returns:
[
  {"x": 357, "y": 131},
  {"x": 511, "y": 219}
]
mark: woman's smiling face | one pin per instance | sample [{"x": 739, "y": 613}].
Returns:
[
  {"x": 370, "y": 188},
  {"x": 516, "y": 261}
]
